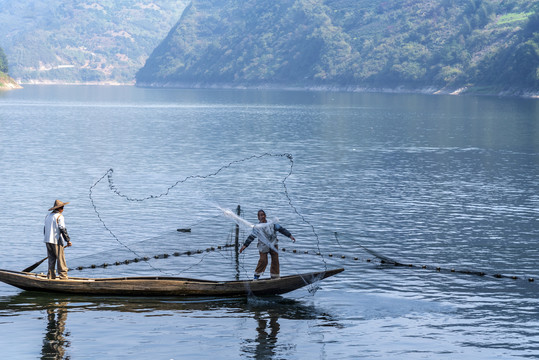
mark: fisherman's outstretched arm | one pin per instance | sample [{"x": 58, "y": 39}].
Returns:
[
  {"x": 247, "y": 242},
  {"x": 285, "y": 232}
]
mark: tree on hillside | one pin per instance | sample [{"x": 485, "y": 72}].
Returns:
[{"x": 3, "y": 62}]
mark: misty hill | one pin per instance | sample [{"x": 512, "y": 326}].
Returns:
[
  {"x": 83, "y": 40},
  {"x": 443, "y": 44}
]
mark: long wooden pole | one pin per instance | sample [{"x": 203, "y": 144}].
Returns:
[
  {"x": 237, "y": 245},
  {"x": 238, "y": 211}
]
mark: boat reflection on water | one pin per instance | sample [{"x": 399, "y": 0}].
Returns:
[{"x": 259, "y": 340}]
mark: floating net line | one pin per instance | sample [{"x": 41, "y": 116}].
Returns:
[
  {"x": 385, "y": 260},
  {"x": 140, "y": 256}
]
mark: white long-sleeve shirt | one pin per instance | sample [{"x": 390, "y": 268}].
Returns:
[{"x": 53, "y": 222}]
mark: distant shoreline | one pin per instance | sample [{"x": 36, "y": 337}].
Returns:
[
  {"x": 477, "y": 91},
  {"x": 427, "y": 90},
  {"x": 96, "y": 83}
]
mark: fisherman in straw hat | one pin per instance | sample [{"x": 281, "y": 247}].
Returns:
[{"x": 56, "y": 238}]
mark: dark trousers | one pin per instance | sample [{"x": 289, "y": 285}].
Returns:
[
  {"x": 263, "y": 262},
  {"x": 56, "y": 257}
]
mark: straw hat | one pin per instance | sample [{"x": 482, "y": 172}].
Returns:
[{"x": 58, "y": 204}]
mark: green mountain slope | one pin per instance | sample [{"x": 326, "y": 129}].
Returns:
[
  {"x": 5, "y": 81},
  {"x": 3, "y": 62},
  {"x": 83, "y": 40},
  {"x": 445, "y": 44}
]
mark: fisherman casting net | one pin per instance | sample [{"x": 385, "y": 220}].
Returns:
[{"x": 184, "y": 230}]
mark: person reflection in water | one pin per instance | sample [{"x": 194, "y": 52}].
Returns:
[
  {"x": 55, "y": 342},
  {"x": 267, "y": 330},
  {"x": 266, "y": 232}
]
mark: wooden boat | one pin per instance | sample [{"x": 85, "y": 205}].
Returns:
[{"x": 162, "y": 285}]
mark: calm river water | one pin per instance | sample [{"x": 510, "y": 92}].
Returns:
[{"x": 430, "y": 181}]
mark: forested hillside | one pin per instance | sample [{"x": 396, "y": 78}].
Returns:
[
  {"x": 5, "y": 81},
  {"x": 3, "y": 62},
  {"x": 82, "y": 40},
  {"x": 415, "y": 44}
]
